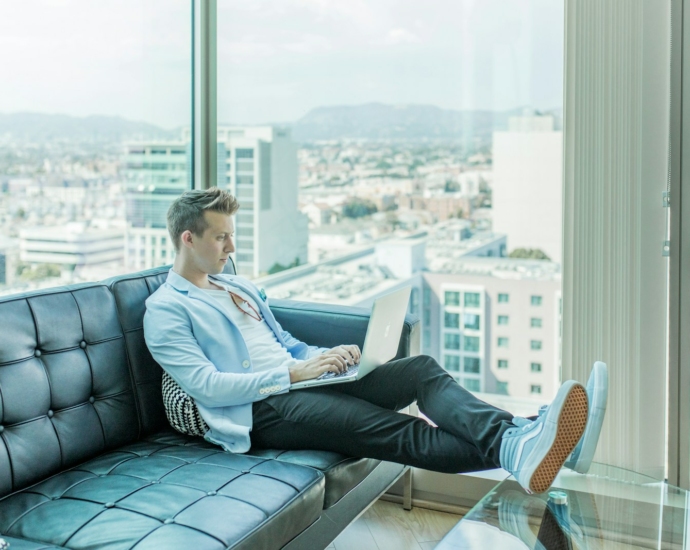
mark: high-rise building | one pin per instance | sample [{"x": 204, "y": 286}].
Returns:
[
  {"x": 527, "y": 184},
  {"x": 261, "y": 171},
  {"x": 256, "y": 164},
  {"x": 155, "y": 173}
]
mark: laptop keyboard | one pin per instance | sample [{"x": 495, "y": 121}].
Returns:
[{"x": 349, "y": 372}]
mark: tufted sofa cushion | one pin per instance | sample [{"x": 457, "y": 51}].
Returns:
[
  {"x": 342, "y": 473},
  {"x": 152, "y": 495},
  {"x": 131, "y": 293},
  {"x": 65, "y": 390}
]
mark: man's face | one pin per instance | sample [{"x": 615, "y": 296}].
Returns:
[{"x": 210, "y": 251}]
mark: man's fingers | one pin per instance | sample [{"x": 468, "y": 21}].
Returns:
[{"x": 336, "y": 360}]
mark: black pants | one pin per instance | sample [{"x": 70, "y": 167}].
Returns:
[{"x": 360, "y": 419}]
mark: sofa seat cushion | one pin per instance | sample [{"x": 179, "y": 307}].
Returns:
[
  {"x": 343, "y": 473},
  {"x": 157, "y": 495}
]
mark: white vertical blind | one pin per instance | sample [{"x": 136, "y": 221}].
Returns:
[{"x": 616, "y": 111}]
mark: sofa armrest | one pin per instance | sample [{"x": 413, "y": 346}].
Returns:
[{"x": 328, "y": 325}]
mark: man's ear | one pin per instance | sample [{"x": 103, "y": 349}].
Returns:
[{"x": 186, "y": 238}]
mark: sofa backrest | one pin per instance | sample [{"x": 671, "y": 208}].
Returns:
[
  {"x": 130, "y": 293},
  {"x": 66, "y": 393}
]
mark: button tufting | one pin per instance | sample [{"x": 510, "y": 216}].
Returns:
[
  {"x": 211, "y": 493},
  {"x": 50, "y": 414},
  {"x": 92, "y": 399},
  {"x": 155, "y": 481},
  {"x": 109, "y": 504},
  {"x": 2, "y": 429},
  {"x": 169, "y": 521},
  {"x": 37, "y": 353},
  {"x": 82, "y": 344},
  {"x": 245, "y": 471}
]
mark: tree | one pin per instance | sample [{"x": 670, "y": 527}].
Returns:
[
  {"x": 277, "y": 267},
  {"x": 358, "y": 208},
  {"x": 528, "y": 254},
  {"x": 452, "y": 186},
  {"x": 42, "y": 271}
]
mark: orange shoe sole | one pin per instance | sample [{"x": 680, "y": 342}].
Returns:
[{"x": 571, "y": 426}]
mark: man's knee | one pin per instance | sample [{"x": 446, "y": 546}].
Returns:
[{"x": 426, "y": 365}]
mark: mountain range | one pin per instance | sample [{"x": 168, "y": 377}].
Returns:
[
  {"x": 40, "y": 127},
  {"x": 375, "y": 121}
]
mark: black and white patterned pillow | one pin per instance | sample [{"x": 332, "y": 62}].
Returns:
[{"x": 180, "y": 409}]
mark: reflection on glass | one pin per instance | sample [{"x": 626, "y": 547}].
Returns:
[
  {"x": 419, "y": 138},
  {"x": 94, "y": 137},
  {"x": 607, "y": 508}
]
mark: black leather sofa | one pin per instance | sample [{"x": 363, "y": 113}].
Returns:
[{"x": 88, "y": 460}]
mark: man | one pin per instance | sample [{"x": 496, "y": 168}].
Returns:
[{"x": 216, "y": 337}]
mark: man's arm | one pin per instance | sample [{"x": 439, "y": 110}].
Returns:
[{"x": 170, "y": 340}]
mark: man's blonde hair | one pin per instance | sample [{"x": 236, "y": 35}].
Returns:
[{"x": 187, "y": 212}]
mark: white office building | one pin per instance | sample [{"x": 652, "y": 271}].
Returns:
[
  {"x": 527, "y": 185},
  {"x": 73, "y": 244}
]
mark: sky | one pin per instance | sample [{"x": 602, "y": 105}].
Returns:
[{"x": 278, "y": 59}]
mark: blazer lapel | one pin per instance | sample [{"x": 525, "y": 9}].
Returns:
[{"x": 266, "y": 312}]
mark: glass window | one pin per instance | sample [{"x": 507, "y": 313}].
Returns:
[
  {"x": 535, "y": 344},
  {"x": 451, "y": 362},
  {"x": 535, "y": 367},
  {"x": 502, "y": 319},
  {"x": 535, "y": 322},
  {"x": 95, "y": 103},
  {"x": 472, "y": 299},
  {"x": 244, "y": 154},
  {"x": 471, "y": 384},
  {"x": 471, "y": 364},
  {"x": 451, "y": 320},
  {"x": 535, "y": 300},
  {"x": 502, "y": 342},
  {"x": 426, "y": 296},
  {"x": 451, "y": 341},
  {"x": 470, "y": 343},
  {"x": 354, "y": 155},
  {"x": 247, "y": 180},
  {"x": 452, "y": 298},
  {"x": 501, "y": 387},
  {"x": 502, "y": 364},
  {"x": 471, "y": 321},
  {"x": 535, "y": 389}
]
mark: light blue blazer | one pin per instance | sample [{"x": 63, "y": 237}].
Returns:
[{"x": 192, "y": 337}]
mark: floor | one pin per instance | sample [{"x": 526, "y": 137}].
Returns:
[{"x": 386, "y": 526}]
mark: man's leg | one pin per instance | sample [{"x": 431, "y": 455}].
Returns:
[
  {"x": 451, "y": 407},
  {"x": 325, "y": 419}
]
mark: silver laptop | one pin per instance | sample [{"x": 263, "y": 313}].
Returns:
[{"x": 380, "y": 344}]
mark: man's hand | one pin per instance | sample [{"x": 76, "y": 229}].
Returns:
[
  {"x": 335, "y": 360},
  {"x": 350, "y": 353}
]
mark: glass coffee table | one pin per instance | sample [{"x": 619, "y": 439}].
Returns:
[{"x": 606, "y": 508}]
